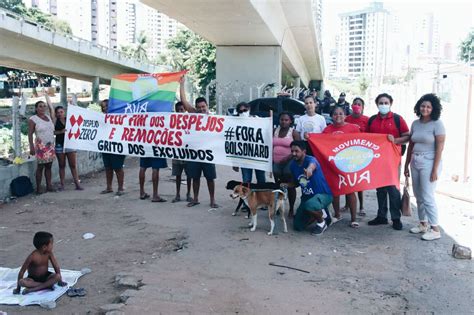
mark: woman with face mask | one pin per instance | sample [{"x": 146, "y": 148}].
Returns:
[
  {"x": 243, "y": 110},
  {"x": 396, "y": 129},
  {"x": 358, "y": 118}
]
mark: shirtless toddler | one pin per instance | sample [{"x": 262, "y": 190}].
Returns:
[{"x": 39, "y": 278}]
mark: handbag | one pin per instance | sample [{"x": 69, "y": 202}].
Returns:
[{"x": 406, "y": 205}]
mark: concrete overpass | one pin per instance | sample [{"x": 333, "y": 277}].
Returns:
[
  {"x": 30, "y": 46},
  {"x": 257, "y": 40}
]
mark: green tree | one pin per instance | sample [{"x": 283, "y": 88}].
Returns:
[
  {"x": 191, "y": 52},
  {"x": 16, "y": 6},
  {"x": 140, "y": 47},
  {"x": 466, "y": 49}
]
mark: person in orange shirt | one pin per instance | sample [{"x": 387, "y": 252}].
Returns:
[
  {"x": 340, "y": 126},
  {"x": 358, "y": 118}
]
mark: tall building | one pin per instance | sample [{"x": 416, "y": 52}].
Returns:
[
  {"x": 363, "y": 42},
  {"x": 427, "y": 36},
  {"x": 48, "y": 6}
]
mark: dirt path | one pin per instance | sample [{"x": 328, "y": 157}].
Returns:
[{"x": 196, "y": 260}]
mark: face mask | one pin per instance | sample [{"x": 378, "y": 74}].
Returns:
[
  {"x": 357, "y": 109},
  {"x": 384, "y": 109},
  {"x": 245, "y": 114}
]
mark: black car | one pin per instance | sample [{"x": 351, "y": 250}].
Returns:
[{"x": 261, "y": 107}]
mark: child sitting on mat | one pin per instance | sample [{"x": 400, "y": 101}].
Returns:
[{"x": 39, "y": 277}]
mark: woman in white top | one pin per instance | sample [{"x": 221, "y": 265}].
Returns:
[
  {"x": 41, "y": 125},
  {"x": 427, "y": 137}
]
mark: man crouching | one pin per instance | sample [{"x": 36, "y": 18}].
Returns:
[{"x": 316, "y": 195}]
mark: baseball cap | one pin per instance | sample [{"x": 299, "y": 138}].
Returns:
[{"x": 342, "y": 94}]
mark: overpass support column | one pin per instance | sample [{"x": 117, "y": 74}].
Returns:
[
  {"x": 95, "y": 90},
  {"x": 242, "y": 72},
  {"x": 63, "y": 91}
]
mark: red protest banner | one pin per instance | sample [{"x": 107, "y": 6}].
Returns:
[{"x": 356, "y": 162}]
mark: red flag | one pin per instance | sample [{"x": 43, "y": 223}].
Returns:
[{"x": 356, "y": 161}]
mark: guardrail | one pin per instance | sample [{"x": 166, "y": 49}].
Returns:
[{"x": 103, "y": 49}]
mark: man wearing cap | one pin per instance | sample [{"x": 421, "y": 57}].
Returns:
[{"x": 341, "y": 102}]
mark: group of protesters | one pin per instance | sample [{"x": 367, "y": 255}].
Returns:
[{"x": 293, "y": 162}]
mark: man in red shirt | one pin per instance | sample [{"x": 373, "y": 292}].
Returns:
[{"x": 396, "y": 128}]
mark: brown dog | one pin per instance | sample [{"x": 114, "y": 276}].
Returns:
[{"x": 273, "y": 199}]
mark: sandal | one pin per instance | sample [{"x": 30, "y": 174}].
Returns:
[
  {"x": 193, "y": 203},
  {"x": 336, "y": 219},
  {"x": 106, "y": 191},
  {"x": 176, "y": 199},
  {"x": 71, "y": 292},
  {"x": 362, "y": 212},
  {"x": 144, "y": 196},
  {"x": 189, "y": 199},
  {"x": 214, "y": 206},
  {"x": 120, "y": 193},
  {"x": 354, "y": 225},
  {"x": 159, "y": 200}
]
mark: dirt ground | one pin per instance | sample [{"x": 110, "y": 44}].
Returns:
[{"x": 200, "y": 261}]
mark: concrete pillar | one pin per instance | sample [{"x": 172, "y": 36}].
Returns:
[
  {"x": 95, "y": 90},
  {"x": 63, "y": 91},
  {"x": 297, "y": 83},
  {"x": 16, "y": 127},
  {"x": 242, "y": 70}
]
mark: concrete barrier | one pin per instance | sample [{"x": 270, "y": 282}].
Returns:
[{"x": 86, "y": 162}]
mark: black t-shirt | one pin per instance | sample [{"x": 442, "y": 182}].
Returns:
[{"x": 59, "y": 126}]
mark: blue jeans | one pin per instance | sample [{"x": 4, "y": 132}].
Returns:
[{"x": 247, "y": 175}]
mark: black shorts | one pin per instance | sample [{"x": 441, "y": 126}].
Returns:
[
  {"x": 41, "y": 279},
  {"x": 113, "y": 161},
  {"x": 196, "y": 168}
]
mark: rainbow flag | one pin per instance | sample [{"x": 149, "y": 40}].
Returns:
[{"x": 140, "y": 93}]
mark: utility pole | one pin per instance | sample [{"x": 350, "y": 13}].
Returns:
[{"x": 468, "y": 123}]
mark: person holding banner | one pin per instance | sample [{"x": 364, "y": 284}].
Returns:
[
  {"x": 283, "y": 136},
  {"x": 195, "y": 169},
  {"x": 358, "y": 118},
  {"x": 427, "y": 137},
  {"x": 59, "y": 118},
  {"x": 41, "y": 125},
  {"x": 316, "y": 195},
  {"x": 311, "y": 122},
  {"x": 396, "y": 129},
  {"x": 112, "y": 163},
  {"x": 340, "y": 126},
  {"x": 243, "y": 110}
]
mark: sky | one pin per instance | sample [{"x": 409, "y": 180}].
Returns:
[{"x": 455, "y": 16}]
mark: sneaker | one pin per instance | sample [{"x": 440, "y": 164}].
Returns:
[
  {"x": 328, "y": 218},
  {"x": 378, "y": 221},
  {"x": 420, "y": 228},
  {"x": 317, "y": 230},
  {"x": 397, "y": 224},
  {"x": 431, "y": 236}
]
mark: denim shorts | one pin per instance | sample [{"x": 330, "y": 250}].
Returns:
[
  {"x": 59, "y": 149},
  {"x": 113, "y": 161}
]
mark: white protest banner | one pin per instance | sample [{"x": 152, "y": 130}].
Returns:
[{"x": 226, "y": 140}]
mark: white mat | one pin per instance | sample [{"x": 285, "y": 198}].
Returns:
[{"x": 8, "y": 282}]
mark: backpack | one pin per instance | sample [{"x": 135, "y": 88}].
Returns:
[
  {"x": 396, "y": 118},
  {"x": 21, "y": 186}
]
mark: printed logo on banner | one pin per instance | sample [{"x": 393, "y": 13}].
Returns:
[
  {"x": 353, "y": 159},
  {"x": 86, "y": 128},
  {"x": 73, "y": 120}
]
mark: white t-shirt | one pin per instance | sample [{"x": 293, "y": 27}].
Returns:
[{"x": 315, "y": 124}]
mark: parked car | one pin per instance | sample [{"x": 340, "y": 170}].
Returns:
[{"x": 261, "y": 107}]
